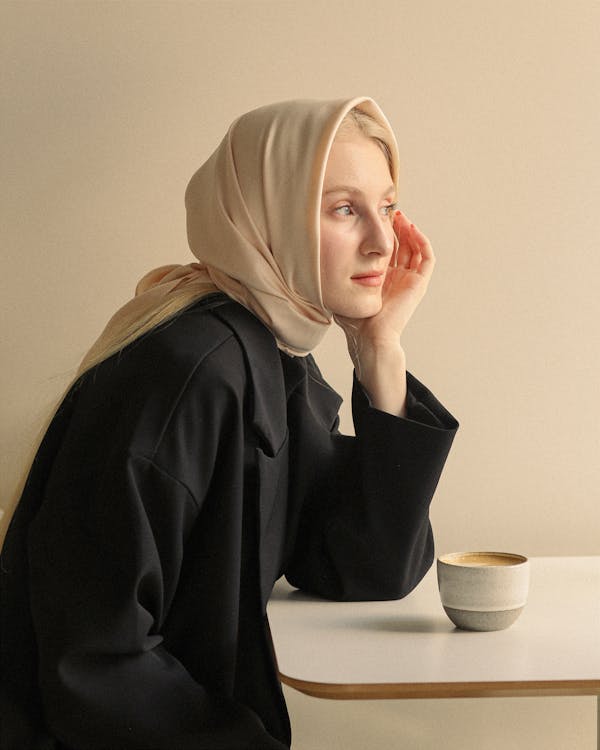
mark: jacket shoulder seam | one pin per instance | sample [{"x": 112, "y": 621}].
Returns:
[{"x": 151, "y": 462}]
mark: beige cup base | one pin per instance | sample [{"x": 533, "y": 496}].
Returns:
[{"x": 483, "y": 621}]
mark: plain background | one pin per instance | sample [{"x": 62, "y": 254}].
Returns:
[{"x": 109, "y": 107}]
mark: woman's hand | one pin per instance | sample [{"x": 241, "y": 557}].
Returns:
[
  {"x": 406, "y": 282},
  {"x": 374, "y": 343}
]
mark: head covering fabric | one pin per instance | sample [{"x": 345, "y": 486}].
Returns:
[{"x": 253, "y": 213}]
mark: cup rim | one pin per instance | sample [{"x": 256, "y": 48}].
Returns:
[{"x": 460, "y": 559}]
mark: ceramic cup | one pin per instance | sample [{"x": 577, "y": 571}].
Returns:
[{"x": 483, "y": 590}]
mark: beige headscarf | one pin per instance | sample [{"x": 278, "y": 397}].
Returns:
[{"x": 253, "y": 224}]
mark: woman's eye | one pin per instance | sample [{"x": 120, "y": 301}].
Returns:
[{"x": 349, "y": 210}]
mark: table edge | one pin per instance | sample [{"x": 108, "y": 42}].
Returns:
[{"x": 382, "y": 691}]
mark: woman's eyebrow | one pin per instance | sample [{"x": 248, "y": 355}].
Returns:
[{"x": 354, "y": 190}]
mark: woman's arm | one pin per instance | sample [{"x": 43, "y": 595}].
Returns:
[{"x": 361, "y": 524}]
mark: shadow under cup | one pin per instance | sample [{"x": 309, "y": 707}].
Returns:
[{"x": 483, "y": 590}]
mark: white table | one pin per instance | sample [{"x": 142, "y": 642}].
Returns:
[{"x": 409, "y": 648}]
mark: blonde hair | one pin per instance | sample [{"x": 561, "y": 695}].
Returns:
[{"x": 359, "y": 121}]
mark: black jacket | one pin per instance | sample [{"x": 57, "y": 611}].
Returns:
[{"x": 178, "y": 481}]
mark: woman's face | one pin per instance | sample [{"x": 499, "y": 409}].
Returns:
[{"x": 357, "y": 239}]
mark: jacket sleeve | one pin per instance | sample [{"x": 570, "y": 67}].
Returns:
[
  {"x": 364, "y": 530},
  {"x": 105, "y": 560}
]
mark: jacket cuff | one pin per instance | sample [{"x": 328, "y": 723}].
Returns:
[{"x": 422, "y": 407}]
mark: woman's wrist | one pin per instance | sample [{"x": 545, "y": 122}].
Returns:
[{"x": 381, "y": 370}]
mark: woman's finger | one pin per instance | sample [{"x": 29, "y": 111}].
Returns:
[
  {"x": 421, "y": 241},
  {"x": 414, "y": 251},
  {"x": 415, "y": 261},
  {"x": 422, "y": 247},
  {"x": 403, "y": 253}
]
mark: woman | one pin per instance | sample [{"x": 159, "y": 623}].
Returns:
[{"x": 196, "y": 458}]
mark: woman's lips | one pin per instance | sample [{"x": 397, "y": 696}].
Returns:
[{"x": 374, "y": 278}]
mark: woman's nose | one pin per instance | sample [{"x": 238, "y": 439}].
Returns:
[{"x": 379, "y": 236}]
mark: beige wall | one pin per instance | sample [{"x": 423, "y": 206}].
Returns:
[{"x": 109, "y": 107}]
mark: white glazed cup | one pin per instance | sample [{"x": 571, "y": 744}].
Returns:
[{"x": 483, "y": 590}]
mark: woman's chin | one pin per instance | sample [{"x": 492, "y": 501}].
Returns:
[{"x": 358, "y": 311}]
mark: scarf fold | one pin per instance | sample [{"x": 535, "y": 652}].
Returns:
[{"x": 253, "y": 213}]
